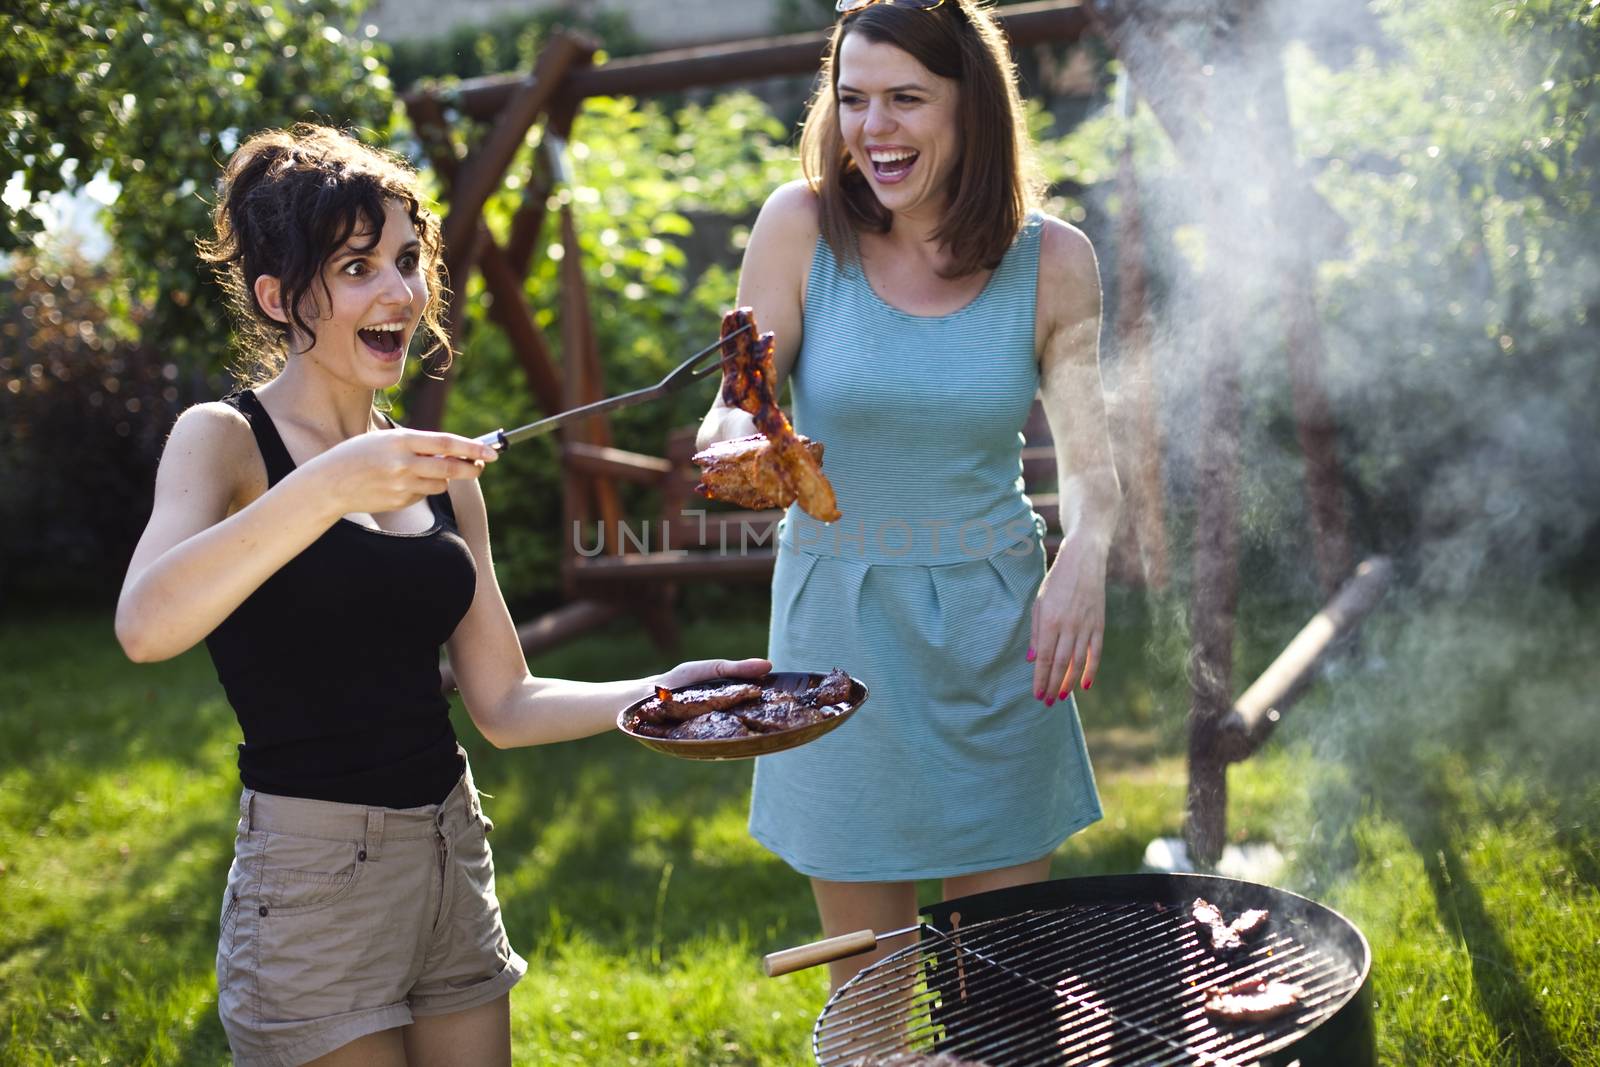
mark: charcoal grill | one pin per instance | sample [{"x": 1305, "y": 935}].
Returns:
[{"x": 1102, "y": 971}]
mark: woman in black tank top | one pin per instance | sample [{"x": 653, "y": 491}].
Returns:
[{"x": 325, "y": 555}]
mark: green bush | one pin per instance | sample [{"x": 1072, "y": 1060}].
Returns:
[{"x": 84, "y": 410}]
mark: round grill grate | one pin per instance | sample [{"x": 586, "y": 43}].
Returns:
[{"x": 1085, "y": 984}]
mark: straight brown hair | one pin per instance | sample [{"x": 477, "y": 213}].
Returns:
[{"x": 994, "y": 184}]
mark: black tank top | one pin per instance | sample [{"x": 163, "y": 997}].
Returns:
[{"x": 332, "y": 665}]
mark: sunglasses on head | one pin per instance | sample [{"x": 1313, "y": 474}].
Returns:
[{"x": 844, "y": 7}]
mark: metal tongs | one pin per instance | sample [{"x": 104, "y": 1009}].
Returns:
[{"x": 692, "y": 369}]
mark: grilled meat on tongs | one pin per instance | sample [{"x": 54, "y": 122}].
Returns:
[
  {"x": 777, "y": 468},
  {"x": 745, "y": 471}
]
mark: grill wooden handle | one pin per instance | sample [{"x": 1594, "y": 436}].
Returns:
[{"x": 799, "y": 958}]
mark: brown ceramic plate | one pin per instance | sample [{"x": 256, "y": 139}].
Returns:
[{"x": 755, "y": 744}]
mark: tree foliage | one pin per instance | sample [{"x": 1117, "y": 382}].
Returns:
[
  {"x": 97, "y": 358},
  {"x": 154, "y": 95},
  {"x": 1460, "y": 314}
]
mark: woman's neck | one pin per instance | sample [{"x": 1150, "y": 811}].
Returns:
[
  {"x": 332, "y": 412},
  {"x": 911, "y": 230},
  {"x": 913, "y": 238}
]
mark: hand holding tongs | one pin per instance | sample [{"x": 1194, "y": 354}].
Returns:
[{"x": 690, "y": 370}]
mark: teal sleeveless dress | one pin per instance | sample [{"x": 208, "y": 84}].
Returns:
[{"x": 923, "y": 590}]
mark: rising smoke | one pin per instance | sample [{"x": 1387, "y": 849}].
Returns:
[
  {"x": 1457, "y": 285},
  {"x": 1437, "y": 189}
]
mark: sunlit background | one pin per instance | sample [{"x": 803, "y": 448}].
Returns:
[{"x": 1437, "y": 784}]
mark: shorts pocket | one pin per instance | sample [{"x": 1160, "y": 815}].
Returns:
[
  {"x": 301, "y": 874},
  {"x": 230, "y": 909}
]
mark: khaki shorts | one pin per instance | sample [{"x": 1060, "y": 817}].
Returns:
[{"x": 342, "y": 920}]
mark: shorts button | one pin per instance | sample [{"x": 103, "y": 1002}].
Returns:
[
  {"x": 263, "y": 909},
  {"x": 361, "y": 857}
]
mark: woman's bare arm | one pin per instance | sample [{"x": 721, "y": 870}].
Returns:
[
  {"x": 511, "y": 707},
  {"x": 214, "y": 537},
  {"x": 1069, "y": 614},
  {"x": 772, "y": 281}
]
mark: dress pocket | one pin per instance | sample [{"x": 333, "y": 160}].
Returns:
[
  {"x": 789, "y": 578},
  {"x": 1020, "y": 572}
]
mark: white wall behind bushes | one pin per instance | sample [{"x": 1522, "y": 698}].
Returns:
[{"x": 664, "y": 23}]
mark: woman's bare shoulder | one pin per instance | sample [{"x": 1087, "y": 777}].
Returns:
[
  {"x": 793, "y": 209},
  {"x": 213, "y": 422},
  {"x": 466, "y": 497},
  {"x": 213, "y": 440},
  {"x": 1069, "y": 274},
  {"x": 1066, "y": 251}
]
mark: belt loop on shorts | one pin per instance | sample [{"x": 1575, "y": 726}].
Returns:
[
  {"x": 245, "y": 797},
  {"x": 372, "y": 844},
  {"x": 474, "y": 800}
]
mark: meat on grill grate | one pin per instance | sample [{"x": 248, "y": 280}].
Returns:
[
  {"x": 1228, "y": 936},
  {"x": 1102, "y": 984},
  {"x": 1253, "y": 1000}
]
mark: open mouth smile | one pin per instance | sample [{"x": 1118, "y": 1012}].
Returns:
[
  {"x": 384, "y": 340},
  {"x": 891, "y": 165}
]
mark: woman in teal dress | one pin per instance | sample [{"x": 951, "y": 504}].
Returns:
[{"x": 920, "y": 302}]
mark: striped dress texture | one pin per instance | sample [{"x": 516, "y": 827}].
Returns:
[{"x": 923, "y": 590}]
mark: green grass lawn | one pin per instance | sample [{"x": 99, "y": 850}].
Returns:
[{"x": 1440, "y": 789}]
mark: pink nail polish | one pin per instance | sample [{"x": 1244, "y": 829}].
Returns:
[
  {"x": 1032, "y": 655},
  {"x": 1063, "y": 695},
  {"x": 1088, "y": 683},
  {"x": 1050, "y": 703},
  {"x": 1039, "y": 695}
]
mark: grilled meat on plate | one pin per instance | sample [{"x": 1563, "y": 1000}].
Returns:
[
  {"x": 712, "y": 726},
  {"x": 738, "y": 709},
  {"x": 833, "y": 689},
  {"x": 667, "y": 706},
  {"x": 769, "y": 716}
]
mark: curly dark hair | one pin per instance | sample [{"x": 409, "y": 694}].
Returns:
[{"x": 286, "y": 201}]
